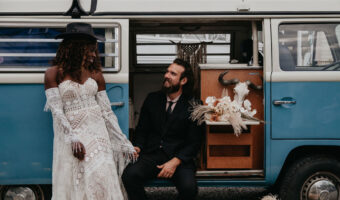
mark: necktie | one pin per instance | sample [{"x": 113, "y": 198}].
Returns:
[{"x": 168, "y": 111}]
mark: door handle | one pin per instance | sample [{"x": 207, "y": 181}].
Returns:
[
  {"x": 280, "y": 102},
  {"x": 118, "y": 104}
]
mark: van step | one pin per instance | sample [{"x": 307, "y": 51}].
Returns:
[{"x": 230, "y": 173}]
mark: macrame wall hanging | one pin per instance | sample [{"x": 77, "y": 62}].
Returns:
[{"x": 194, "y": 53}]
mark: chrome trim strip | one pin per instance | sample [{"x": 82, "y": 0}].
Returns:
[{"x": 230, "y": 173}]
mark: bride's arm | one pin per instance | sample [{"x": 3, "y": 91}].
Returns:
[
  {"x": 117, "y": 137},
  {"x": 54, "y": 103}
]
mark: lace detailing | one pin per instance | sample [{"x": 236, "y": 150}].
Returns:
[
  {"x": 82, "y": 97},
  {"x": 112, "y": 121},
  {"x": 80, "y": 111},
  {"x": 76, "y": 105},
  {"x": 54, "y": 103},
  {"x": 120, "y": 144}
]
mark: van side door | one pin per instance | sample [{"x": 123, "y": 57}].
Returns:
[{"x": 305, "y": 79}]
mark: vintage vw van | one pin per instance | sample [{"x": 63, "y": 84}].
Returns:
[{"x": 290, "y": 52}]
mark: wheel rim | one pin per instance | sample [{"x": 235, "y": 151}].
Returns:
[
  {"x": 22, "y": 193},
  {"x": 321, "y": 186}
]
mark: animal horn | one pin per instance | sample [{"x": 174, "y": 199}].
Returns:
[
  {"x": 227, "y": 82},
  {"x": 253, "y": 86}
]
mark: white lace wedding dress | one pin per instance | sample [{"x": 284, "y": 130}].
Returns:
[{"x": 80, "y": 113}]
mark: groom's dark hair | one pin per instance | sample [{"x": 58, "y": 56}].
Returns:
[{"x": 189, "y": 86}]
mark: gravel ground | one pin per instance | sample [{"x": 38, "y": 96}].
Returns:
[{"x": 209, "y": 193}]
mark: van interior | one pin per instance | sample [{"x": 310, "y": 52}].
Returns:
[{"x": 217, "y": 45}]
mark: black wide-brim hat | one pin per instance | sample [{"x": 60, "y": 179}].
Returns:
[{"x": 79, "y": 29}]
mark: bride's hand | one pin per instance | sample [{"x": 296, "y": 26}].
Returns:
[
  {"x": 78, "y": 150},
  {"x": 136, "y": 153}
]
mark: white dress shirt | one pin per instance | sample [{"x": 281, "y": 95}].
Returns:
[{"x": 173, "y": 100}]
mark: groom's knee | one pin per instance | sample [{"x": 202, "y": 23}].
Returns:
[
  {"x": 131, "y": 175},
  {"x": 127, "y": 177}
]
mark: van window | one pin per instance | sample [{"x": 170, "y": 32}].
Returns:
[
  {"x": 32, "y": 48},
  {"x": 162, "y": 49},
  {"x": 309, "y": 47}
]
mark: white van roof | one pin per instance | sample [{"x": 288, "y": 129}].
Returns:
[
  {"x": 174, "y": 6},
  {"x": 210, "y": 6},
  {"x": 34, "y": 6}
]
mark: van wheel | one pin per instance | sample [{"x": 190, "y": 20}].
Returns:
[
  {"x": 313, "y": 177},
  {"x": 25, "y": 192}
]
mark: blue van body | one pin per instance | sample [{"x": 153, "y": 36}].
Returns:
[
  {"x": 317, "y": 110},
  {"x": 26, "y": 147}
]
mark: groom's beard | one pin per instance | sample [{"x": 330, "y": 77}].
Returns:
[{"x": 171, "y": 89}]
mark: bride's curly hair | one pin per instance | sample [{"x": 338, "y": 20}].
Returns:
[{"x": 70, "y": 55}]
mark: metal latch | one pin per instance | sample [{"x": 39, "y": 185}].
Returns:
[{"x": 118, "y": 104}]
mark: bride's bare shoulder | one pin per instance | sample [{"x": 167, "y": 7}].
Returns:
[
  {"x": 51, "y": 77},
  {"x": 98, "y": 76}
]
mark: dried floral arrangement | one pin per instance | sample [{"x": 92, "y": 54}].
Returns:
[{"x": 224, "y": 110}]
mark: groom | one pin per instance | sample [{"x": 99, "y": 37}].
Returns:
[{"x": 166, "y": 139}]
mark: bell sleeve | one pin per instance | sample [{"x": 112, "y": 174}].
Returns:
[
  {"x": 119, "y": 141},
  {"x": 55, "y": 105}
]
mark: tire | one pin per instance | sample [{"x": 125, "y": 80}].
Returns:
[
  {"x": 304, "y": 177},
  {"x": 22, "y": 192}
]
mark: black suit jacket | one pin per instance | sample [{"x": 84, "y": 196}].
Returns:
[{"x": 178, "y": 136}]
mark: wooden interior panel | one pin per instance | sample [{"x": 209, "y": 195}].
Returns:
[
  {"x": 224, "y": 150},
  {"x": 228, "y": 129},
  {"x": 229, "y": 139},
  {"x": 229, "y": 163},
  {"x": 229, "y": 150}
]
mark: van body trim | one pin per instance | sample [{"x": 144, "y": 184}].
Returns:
[
  {"x": 47, "y": 54},
  {"x": 306, "y": 76},
  {"x": 26, "y": 78},
  {"x": 180, "y": 13},
  {"x": 44, "y": 40},
  {"x": 230, "y": 173},
  {"x": 29, "y": 70}
]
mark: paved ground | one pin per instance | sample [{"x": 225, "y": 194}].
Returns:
[
  {"x": 170, "y": 193},
  {"x": 209, "y": 193}
]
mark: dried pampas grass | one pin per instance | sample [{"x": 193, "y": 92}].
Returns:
[{"x": 199, "y": 111}]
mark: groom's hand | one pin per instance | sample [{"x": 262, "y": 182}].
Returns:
[
  {"x": 136, "y": 153},
  {"x": 168, "y": 168}
]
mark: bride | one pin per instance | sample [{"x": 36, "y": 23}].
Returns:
[{"x": 90, "y": 151}]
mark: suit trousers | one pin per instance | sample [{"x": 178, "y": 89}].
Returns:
[{"x": 136, "y": 175}]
